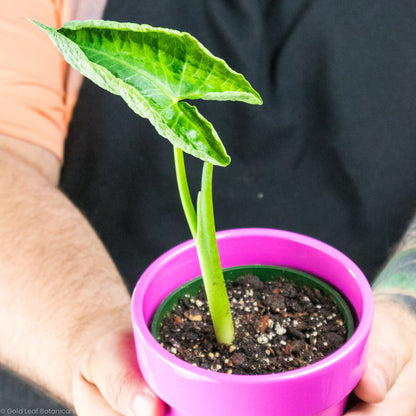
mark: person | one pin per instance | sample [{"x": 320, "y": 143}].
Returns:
[{"x": 330, "y": 154}]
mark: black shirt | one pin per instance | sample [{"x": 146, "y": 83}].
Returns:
[{"x": 331, "y": 153}]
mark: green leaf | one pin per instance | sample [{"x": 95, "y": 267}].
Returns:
[{"x": 153, "y": 70}]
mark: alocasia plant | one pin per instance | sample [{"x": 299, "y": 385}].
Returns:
[{"x": 154, "y": 70}]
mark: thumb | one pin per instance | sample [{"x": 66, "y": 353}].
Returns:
[
  {"x": 388, "y": 352},
  {"x": 112, "y": 368}
]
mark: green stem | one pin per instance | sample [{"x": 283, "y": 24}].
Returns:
[
  {"x": 186, "y": 200},
  {"x": 202, "y": 226},
  {"x": 210, "y": 263}
]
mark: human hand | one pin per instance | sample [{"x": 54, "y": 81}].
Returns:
[
  {"x": 108, "y": 381},
  {"x": 388, "y": 384}
]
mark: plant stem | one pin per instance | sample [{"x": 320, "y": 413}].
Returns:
[
  {"x": 210, "y": 263},
  {"x": 202, "y": 227},
  {"x": 186, "y": 200}
]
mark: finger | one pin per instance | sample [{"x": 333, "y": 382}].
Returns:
[
  {"x": 88, "y": 399},
  {"x": 389, "y": 351},
  {"x": 400, "y": 400},
  {"x": 112, "y": 367}
]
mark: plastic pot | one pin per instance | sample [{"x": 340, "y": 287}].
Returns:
[{"x": 320, "y": 389}]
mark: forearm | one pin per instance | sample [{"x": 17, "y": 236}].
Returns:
[
  {"x": 397, "y": 281},
  {"x": 59, "y": 289}
]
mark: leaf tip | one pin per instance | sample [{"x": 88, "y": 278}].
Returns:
[
  {"x": 222, "y": 161},
  {"x": 226, "y": 162},
  {"x": 253, "y": 97},
  {"x": 257, "y": 99},
  {"x": 42, "y": 26},
  {"x": 35, "y": 22}
]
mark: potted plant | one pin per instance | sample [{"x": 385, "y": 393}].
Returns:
[{"x": 154, "y": 70}]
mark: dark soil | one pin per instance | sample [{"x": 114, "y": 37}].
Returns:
[{"x": 278, "y": 327}]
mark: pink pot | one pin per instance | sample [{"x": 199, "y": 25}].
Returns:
[{"x": 320, "y": 389}]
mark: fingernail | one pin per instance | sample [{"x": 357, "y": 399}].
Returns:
[
  {"x": 380, "y": 382},
  {"x": 144, "y": 405}
]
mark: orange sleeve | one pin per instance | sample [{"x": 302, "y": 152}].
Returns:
[{"x": 37, "y": 88}]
